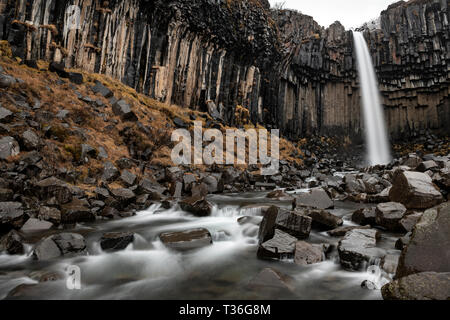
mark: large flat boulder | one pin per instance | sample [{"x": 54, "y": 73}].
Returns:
[
  {"x": 293, "y": 222},
  {"x": 316, "y": 198},
  {"x": 420, "y": 286},
  {"x": 282, "y": 245},
  {"x": 389, "y": 214},
  {"x": 359, "y": 247},
  {"x": 415, "y": 190},
  {"x": 63, "y": 244},
  {"x": 187, "y": 240},
  {"x": 428, "y": 249}
]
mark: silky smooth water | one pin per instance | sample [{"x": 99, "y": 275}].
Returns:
[
  {"x": 148, "y": 270},
  {"x": 375, "y": 125}
]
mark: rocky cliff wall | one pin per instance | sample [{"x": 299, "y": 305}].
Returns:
[{"x": 286, "y": 69}]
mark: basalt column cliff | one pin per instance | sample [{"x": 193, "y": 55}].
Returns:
[{"x": 215, "y": 55}]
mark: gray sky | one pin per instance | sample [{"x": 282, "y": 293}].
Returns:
[{"x": 351, "y": 13}]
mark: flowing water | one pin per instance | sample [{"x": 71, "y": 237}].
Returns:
[
  {"x": 148, "y": 270},
  {"x": 375, "y": 126}
]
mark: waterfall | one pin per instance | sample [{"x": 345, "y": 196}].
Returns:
[{"x": 375, "y": 127}]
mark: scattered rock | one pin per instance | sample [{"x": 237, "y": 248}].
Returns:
[
  {"x": 34, "y": 225},
  {"x": 364, "y": 216},
  {"x": 408, "y": 222},
  {"x": 75, "y": 212},
  {"x": 342, "y": 231},
  {"x": 323, "y": 220},
  {"x": 52, "y": 215},
  {"x": 187, "y": 240},
  {"x": 122, "y": 109},
  {"x": 12, "y": 216},
  {"x": 110, "y": 172},
  {"x": 101, "y": 89},
  {"x": 30, "y": 140},
  {"x": 128, "y": 178},
  {"x": 8, "y": 148},
  {"x": 5, "y": 115}
]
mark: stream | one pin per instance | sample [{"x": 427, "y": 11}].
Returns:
[{"x": 148, "y": 270}]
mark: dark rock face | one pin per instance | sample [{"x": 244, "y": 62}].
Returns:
[
  {"x": 323, "y": 220},
  {"x": 187, "y": 240},
  {"x": 428, "y": 247},
  {"x": 364, "y": 216},
  {"x": 116, "y": 241},
  {"x": 420, "y": 286},
  {"x": 239, "y": 43},
  {"x": 53, "y": 187},
  {"x": 415, "y": 190}
]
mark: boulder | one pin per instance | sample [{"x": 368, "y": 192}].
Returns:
[
  {"x": 122, "y": 109},
  {"x": 427, "y": 165},
  {"x": 6, "y": 194},
  {"x": 63, "y": 244},
  {"x": 187, "y": 240},
  {"x": 53, "y": 187},
  {"x": 75, "y": 212},
  {"x": 388, "y": 215},
  {"x": 30, "y": 140},
  {"x": 35, "y": 225},
  {"x": 52, "y": 215},
  {"x": 8, "y": 148},
  {"x": 102, "y": 90},
  {"x": 421, "y": 286},
  {"x": 76, "y": 77},
  {"x": 306, "y": 253},
  {"x": 198, "y": 206},
  {"x": 123, "y": 195},
  {"x": 12, "y": 216},
  {"x": 408, "y": 223},
  {"x": 128, "y": 178},
  {"x": 282, "y": 245},
  {"x": 316, "y": 198},
  {"x": 415, "y": 190},
  {"x": 342, "y": 231},
  {"x": 116, "y": 241},
  {"x": 12, "y": 243},
  {"x": 323, "y": 220},
  {"x": 6, "y": 81},
  {"x": 110, "y": 172},
  {"x": 412, "y": 161},
  {"x": 358, "y": 248},
  {"x": 364, "y": 216},
  {"x": 5, "y": 115},
  {"x": 293, "y": 222},
  {"x": 428, "y": 249},
  {"x": 267, "y": 226},
  {"x": 402, "y": 242}
]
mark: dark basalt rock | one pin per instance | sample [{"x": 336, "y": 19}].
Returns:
[
  {"x": 323, "y": 220},
  {"x": 282, "y": 245},
  {"x": 198, "y": 206},
  {"x": 428, "y": 247},
  {"x": 12, "y": 243},
  {"x": 8, "y": 148},
  {"x": 53, "y": 187},
  {"x": 306, "y": 253},
  {"x": 116, "y": 241},
  {"x": 421, "y": 286},
  {"x": 102, "y": 90},
  {"x": 316, "y": 198},
  {"x": 122, "y": 108},
  {"x": 63, "y": 244},
  {"x": 12, "y": 216},
  {"x": 359, "y": 247},
  {"x": 342, "y": 231},
  {"x": 187, "y": 240},
  {"x": 76, "y": 211},
  {"x": 388, "y": 215},
  {"x": 364, "y": 216},
  {"x": 295, "y": 223}
]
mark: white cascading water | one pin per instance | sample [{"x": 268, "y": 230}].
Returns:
[{"x": 375, "y": 126}]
